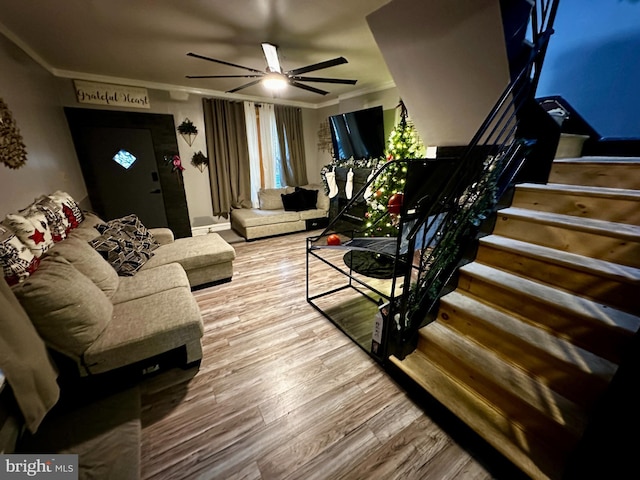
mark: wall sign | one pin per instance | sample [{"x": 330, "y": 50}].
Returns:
[{"x": 112, "y": 95}]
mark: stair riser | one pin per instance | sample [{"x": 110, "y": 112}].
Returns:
[
  {"x": 602, "y": 208},
  {"x": 590, "y": 244},
  {"x": 498, "y": 431},
  {"x": 523, "y": 419},
  {"x": 567, "y": 380},
  {"x": 588, "y": 284},
  {"x": 599, "y": 339},
  {"x": 614, "y": 175}
]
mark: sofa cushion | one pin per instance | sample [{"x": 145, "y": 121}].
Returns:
[
  {"x": 68, "y": 310},
  {"x": 150, "y": 281},
  {"x": 193, "y": 252},
  {"x": 16, "y": 260},
  {"x": 310, "y": 214},
  {"x": 88, "y": 262},
  {"x": 144, "y": 327},
  {"x": 252, "y": 217},
  {"x": 270, "y": 198},
  {"x": 86, "y": 230}
]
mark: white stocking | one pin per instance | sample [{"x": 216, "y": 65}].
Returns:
[
  {"x": 331, "y": 181},
  {"x": 348, "y": 189},
  {"x": 368, "y": 192}
]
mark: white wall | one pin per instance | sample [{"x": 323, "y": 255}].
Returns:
[
  {"x": 448, "y": 60},
  {"x": 30, "y": 93}
]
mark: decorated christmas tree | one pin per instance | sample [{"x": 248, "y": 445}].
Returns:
[{"x": 387, "y": 190}]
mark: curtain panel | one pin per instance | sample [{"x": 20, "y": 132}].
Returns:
[
  {"x": 254, "y": 151},
  {"x": 226, "y": 136},
  {"x": 291, "y": 140}
]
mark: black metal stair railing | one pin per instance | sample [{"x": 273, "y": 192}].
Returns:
[
  {"x": 446, "y": 222},
  {"x": 446, "y": 201}
]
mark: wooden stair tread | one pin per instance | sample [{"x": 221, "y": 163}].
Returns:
[
  {"x": 607, "y": 192},
  {"x": 526, "y": 450},
  {"x": 599, "y": 159},
  {"x": 622, "y": 231},
  {"x": 578, "y": 306},
  {"x": 507, "y": 375},
  {"x": 614, "y": 271}
]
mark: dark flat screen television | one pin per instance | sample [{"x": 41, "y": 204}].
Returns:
[{"x": 358, "y": 134}]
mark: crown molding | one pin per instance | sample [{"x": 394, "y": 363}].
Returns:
[{"x": 70, "y": 74}]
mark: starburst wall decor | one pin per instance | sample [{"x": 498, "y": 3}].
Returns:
[{"x": 13, "y": 152}]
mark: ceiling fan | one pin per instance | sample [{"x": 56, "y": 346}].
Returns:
[{"x": 273, "y": 76}]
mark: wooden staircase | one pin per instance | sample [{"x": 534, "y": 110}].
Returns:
[{"x": 529, "y": 341}]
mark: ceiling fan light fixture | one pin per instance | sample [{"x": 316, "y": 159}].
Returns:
[{"x": 274, "y": 82}]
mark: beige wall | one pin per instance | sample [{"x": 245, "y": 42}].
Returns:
[
  {"x": 446, "y": 103},
  {"x": 30, "y": 93},
  {"x": 448, "y": 61}
]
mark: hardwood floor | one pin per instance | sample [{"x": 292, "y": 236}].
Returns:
[{"x": 283, "y": 393}]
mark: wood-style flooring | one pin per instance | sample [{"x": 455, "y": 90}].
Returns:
[{"x": 283, "y": 393}]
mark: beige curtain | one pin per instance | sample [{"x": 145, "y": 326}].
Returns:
[
  {"x": 228, "y": 153},
  {"x": 291, "y": 139}
]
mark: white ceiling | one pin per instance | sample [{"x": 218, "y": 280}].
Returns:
[{"x": 144, "y": 42}]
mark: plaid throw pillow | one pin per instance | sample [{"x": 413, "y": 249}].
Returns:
[
  {"x": 125, "y": 243},
  {"x": 120, "y": 253},
  {"x": 131, "y": 229}
]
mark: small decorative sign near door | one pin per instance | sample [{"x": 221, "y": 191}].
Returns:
[{"x": 112, "y": 95}]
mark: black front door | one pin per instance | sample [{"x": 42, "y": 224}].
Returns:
[{"x": 123, "y": 160}]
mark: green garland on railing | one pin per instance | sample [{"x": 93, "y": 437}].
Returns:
[{"x": 468, "y": 212}]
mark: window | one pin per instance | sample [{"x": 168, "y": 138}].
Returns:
[
  {"x": 264, "y": 149},
  {"x": 124, "y": 159}
]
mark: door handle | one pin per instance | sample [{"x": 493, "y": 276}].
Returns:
[{"x": 157, "y": 190}]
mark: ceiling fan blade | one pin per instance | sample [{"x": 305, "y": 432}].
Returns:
[
  {"x": 307, "y": 87},
  {"x": 271, "y": 54},
  {"x": 224, "y": 76},
  {"x": 202, "y": 57},
  {"x": 246, "y": 85},
  {"x": 324, "y": 80},
  {"x": 318, "y": 66}
]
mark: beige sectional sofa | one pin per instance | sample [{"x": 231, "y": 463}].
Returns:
[
  {"x": 272, "y": 218},
  {"x": 88, "y": 312},
  {"x": 69, "y": 307}
]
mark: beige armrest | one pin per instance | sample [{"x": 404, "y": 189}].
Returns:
[{"x": 162, "y": 235}]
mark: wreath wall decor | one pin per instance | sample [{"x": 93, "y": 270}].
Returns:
[{"x": 13, "y": 152}]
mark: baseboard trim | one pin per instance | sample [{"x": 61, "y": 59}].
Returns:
[{"x": 214, "y": 227}]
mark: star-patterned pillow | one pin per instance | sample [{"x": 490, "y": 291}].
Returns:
[
  {"x": 58, "y": 221},
  {"x": 32, "y": 228},
  {"x": 70, "y": 209},
  {"x": 17, "y": 261}
]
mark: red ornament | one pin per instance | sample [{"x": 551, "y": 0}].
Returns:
[
  {"x": 395, "y": 203},
  {"x": 333, "y": 240}
]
